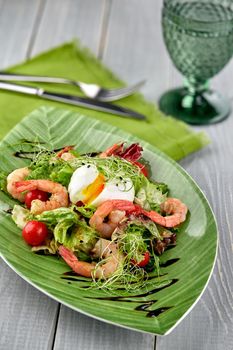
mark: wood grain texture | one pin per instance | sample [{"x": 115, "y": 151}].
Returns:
[
  {"x": 134, "y": 47},
  {"x": 209, "y": 325},
  {"x": 67, "y": 20},
  {"x": 16, "y": 23},
  {"x": 77, "y": 331},
  {"x": 28, "y": 317}
]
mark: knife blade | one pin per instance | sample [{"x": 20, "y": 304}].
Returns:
[{"x": 73, "y": 100}]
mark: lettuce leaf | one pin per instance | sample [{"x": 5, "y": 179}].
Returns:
[
  {"x": 20, "y": 215},
  {"x": 46, "y": 166},
  {"x": 82, "y": 238},
  {"x": 151, "y": 195},
  {"x": 69, "y": 228},
  {"x": 53, "y": 217},
  {"x": 49, "y": 247},
  {"x": 87, "y": 211}
]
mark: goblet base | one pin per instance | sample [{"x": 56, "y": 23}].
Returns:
[{"x": 205, "y": 107}]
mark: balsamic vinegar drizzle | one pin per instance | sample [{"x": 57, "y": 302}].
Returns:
[
  {"x": 73, "y": 279},
  {"x": 158, "y": 289},
  {"x": 25, "y": 155},
  {"x": 71, "y": 276},
  {"x": 169, "y": 262},
  {"x": 91, "y": 154},
  {"x": 157, "y": 312},
  {"x": 8, "y": 211},
  {"x": 31, "y": 155},
  {"x": 170, "y": 247},
  {"x": 144, "y": 305}
]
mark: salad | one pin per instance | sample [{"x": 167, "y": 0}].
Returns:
[{"x": 100, "y": 212}]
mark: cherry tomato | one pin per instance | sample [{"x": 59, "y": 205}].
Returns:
[
  {"x": 144, "y": 261},
  {"x": 35, "y": 194},
  {"x": 35, "y": 232}
]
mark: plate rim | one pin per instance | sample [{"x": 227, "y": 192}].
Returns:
[{"x": 156, "y": 151}]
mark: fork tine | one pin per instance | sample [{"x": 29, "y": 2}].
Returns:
[
  {"x": 126, "y": 89},
  {"x": 133, "y": 87},
  {"x": 113, "y": 94}
]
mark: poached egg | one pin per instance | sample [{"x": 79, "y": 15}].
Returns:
[{"x": 89, "y": 186}]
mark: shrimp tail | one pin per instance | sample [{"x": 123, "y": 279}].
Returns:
[
  {"x": 113, "y": 150},
  {"x": 175, "y": 209},
  {"x": 80, "y": 267}
]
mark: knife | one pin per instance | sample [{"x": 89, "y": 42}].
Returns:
[{"x": 73, "y": 100}]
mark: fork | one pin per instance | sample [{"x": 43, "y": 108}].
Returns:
[{"x": 90, "y": 90}]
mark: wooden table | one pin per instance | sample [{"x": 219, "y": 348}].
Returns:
[{"x": 126, "y": 35}]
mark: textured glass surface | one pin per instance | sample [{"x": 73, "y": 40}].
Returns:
[
  {"x": 198, "y": 50},
  {"x": 199, "y": 39}
]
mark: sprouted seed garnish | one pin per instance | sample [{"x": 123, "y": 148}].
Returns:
[{"x": 102, "y": 214}]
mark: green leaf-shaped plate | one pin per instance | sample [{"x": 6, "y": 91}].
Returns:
[{"x": 186, "y": 269}]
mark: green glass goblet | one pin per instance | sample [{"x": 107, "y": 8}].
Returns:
[{"x": 199, "y": 38}]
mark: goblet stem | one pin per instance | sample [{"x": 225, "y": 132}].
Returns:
[
  {"x": 195, "y": 103},
  {"x": 194, "y": 88}
]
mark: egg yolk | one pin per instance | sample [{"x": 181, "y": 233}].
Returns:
[{"x": 93, "y": 190}]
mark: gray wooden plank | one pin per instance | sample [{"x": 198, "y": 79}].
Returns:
[
  {"x": 16, "y": 22},
  {"x": 77, "y": 331},
  {"x": 134, "y": 47},
  {"x": 27, "y": 317},
  {"x": 67, "y": 20},
  {"x": 209, "y": 325}
]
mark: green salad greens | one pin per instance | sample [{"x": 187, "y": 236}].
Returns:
[{"x": 111, "y": 233}]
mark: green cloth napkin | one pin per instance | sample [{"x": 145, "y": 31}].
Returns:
[{"x": 72, "y": 61}]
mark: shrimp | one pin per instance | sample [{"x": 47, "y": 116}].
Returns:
[
  {"x": 112, "y": 150},
  {"x": 103, "y": 249},
  {"x": 15, "y": 176},
  {"x": 67, "y": 156},
  {"x": 115, "y": 210},
  {"x": 65, "y": 153},
  {"x": 59, "y": 197},
  {"x": 175, "y": 209}
]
